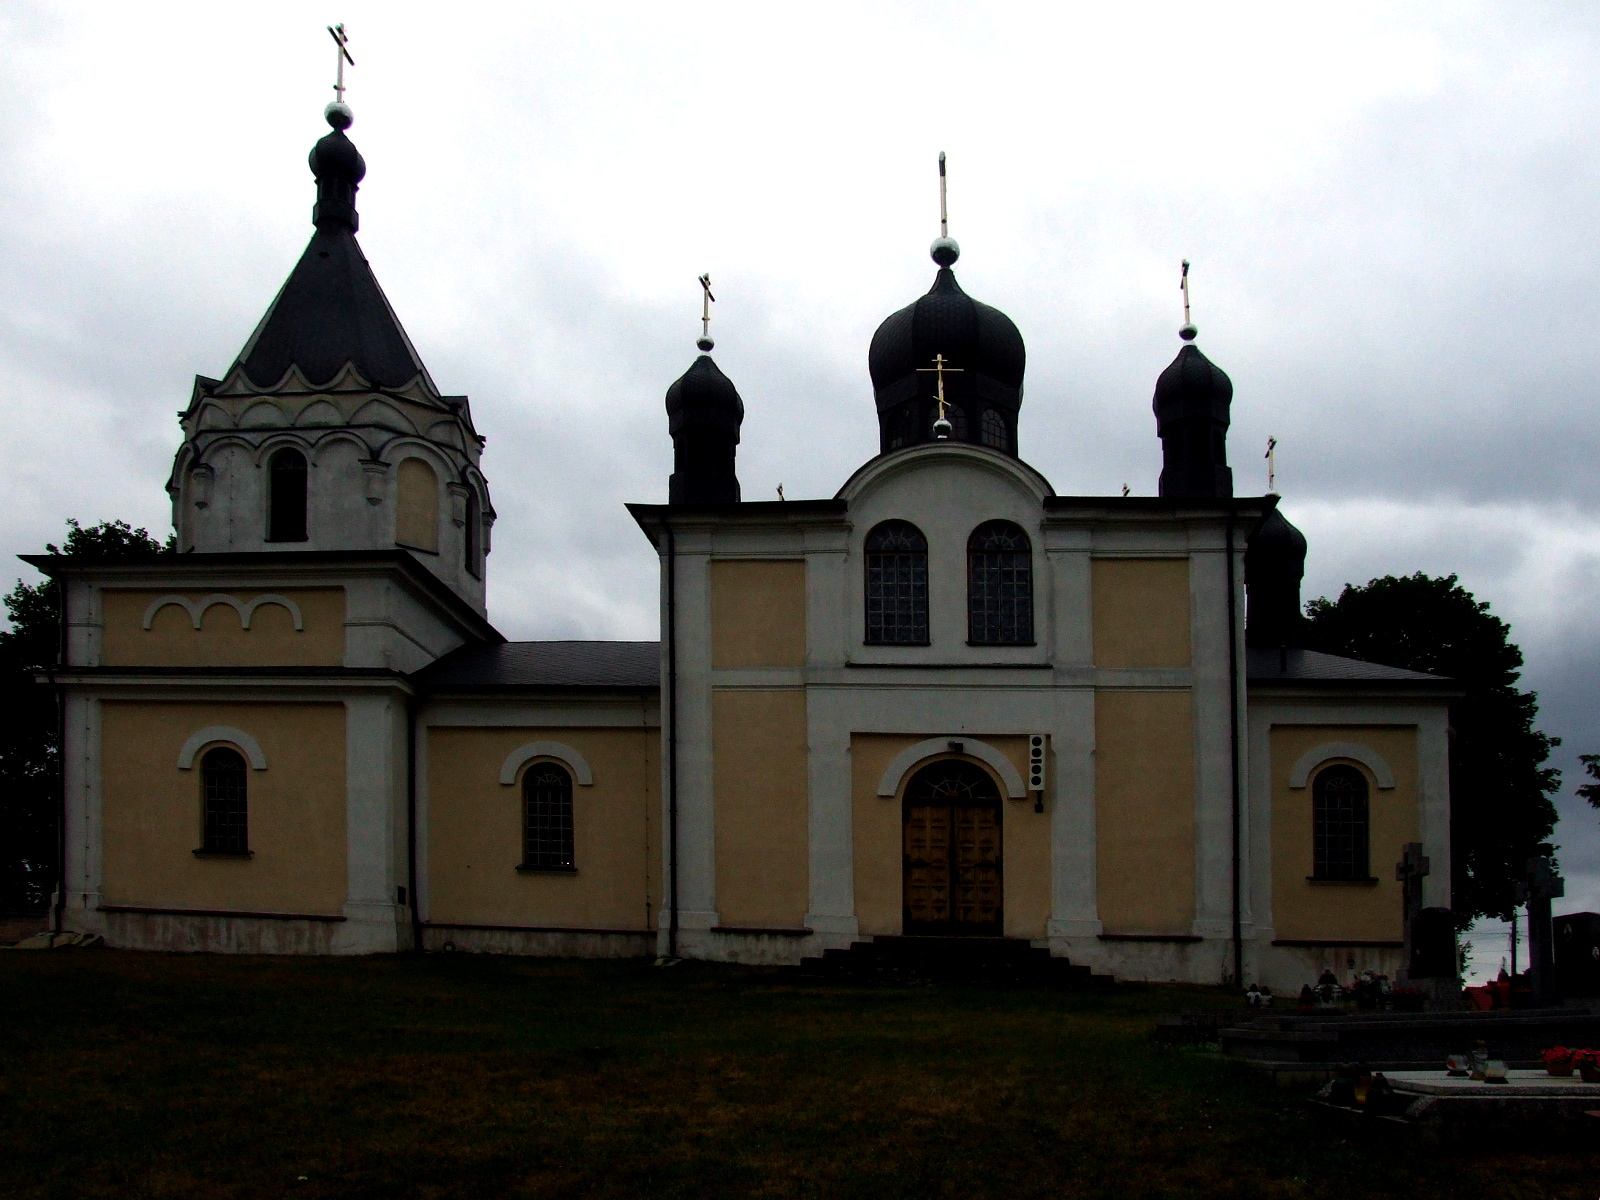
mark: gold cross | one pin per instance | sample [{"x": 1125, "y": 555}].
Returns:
[
  {"x": 1183, "y": 286},
  {"x": 939, "y": 368},
  {"x": 342, "y": 40}
]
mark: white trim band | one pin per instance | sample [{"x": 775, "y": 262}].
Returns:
[
  {"x": 1300, "y": 774},
  {"x": 221, "y": 733},
  {"x": 522, "y": 754},
  {"x": 908, "y": 758}
]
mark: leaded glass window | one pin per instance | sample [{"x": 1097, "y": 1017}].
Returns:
[
  {"x": 547, "y": 818},
  {"x": 223, "y": 781},
  {"x": 999, "y": 585},
  {"x": 1339, "y": 821},
  {"x": 897, "y": 585},
  {"x": 994, "y": 432}
]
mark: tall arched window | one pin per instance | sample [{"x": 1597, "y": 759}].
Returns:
[
  {"x": 472, "y": 551},
  {"x": 547, "y": 818},
  {"x": 994, "y": 432},
  {"x": 897, "y": 585},
  {"x": 999, "y": 586},
  {"x": 417, "y": 510},
  {"x": 1339, "y": 822},
  {"x": 905, "y": 427},
  {"x": 226, "y": 818},
  {"x": 286, "y": 496}
]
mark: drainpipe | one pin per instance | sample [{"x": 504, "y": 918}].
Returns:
[
  {"x": 1233, "y": 766},
  {"x": 411, "y": 822},
  {"x": 672, "y": 740}
]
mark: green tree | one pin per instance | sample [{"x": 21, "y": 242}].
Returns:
[
  {"x": 1500, "y": 789},
  {"x": 30, "y": 751},
  {"x": 1591, "y": 791}
]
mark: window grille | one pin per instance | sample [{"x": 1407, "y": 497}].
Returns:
[
  {"x": 547, "y": 818},
  {"x": 994, "y": 432},
  {"x": 286, "y": 484},
  {"x": 999, "y": 585},
  {"x": 1339, "y": 807},
  {"x": 897, "y": 585},
  {"x": 227, "y": 808}
]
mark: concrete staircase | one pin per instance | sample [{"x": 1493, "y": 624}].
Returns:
[{"x": 990, "y": 960}]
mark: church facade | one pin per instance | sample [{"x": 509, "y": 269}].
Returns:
[{"x": 947, "y": 701}]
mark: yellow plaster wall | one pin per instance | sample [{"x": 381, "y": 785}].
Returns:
[
  {"x": 475, "y": 832},
  {"x": 222, "y": 641},
  {"x": 1141, "y": 611},
  {"x": 417, "y": 509},
  {"x": 1331, "y": 911},
  {"x": 1144, "y": 811},
  {"x": 758, "y": 613},
  {"x": 152, "y": 811},
  {"x": 760, "y": 793},
  {"x": 879, "y": 882}
]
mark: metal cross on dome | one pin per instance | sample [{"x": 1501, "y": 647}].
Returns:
[
  {"x": 939, "y": 368},
  {"x": 705, "y": 342},
  {"x": 342, "y": 40}
]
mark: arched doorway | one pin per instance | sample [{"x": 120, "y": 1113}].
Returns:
[{"x": 951, "y": 824}]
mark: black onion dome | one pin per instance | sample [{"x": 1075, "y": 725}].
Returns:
[
  {"x": 336, "y": 157},
  {"x": 1192, "y": 386},
  {"x": 704, "y": 396},
  {"x": 975, "y": 337},
  {"x": 1274, "y": 565}
]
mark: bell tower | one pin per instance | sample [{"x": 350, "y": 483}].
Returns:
[{"x": 328, "y": 432}]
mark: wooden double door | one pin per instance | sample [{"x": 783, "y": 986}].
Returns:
[{"x": 951, "y": 839}]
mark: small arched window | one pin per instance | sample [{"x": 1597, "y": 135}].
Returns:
[
  {"x": 897, "y": 585},
  {"x": 286, "y": 496},
  {"x": 226, "y": 817},
  {"x": 472, "y": 551},
  {"x": 994, "y": 432},
  {"x": 999, "y": 586},
  {"x": 905, "y": 427},
  {"x": 417, "y": 515},
  {"x": 1339, "y": 822},
  {"x": 547, "y": 818}
]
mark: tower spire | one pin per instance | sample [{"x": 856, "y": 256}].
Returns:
[
  {"x": 945, "y": 249},
  {"x": 1188, "y": 332},
  {"x": 705, "y": 343}
]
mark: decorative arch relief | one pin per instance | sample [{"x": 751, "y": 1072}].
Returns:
[
  {"x": 522, "y": 755},
  {"x": 1300, "y": 773},
  {"x": 894, "y": 775},
  {"x": 202, "y": 738},
  {"x": 246, "y": 609}
]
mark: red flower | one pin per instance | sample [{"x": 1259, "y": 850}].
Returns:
[
  {"x": 1586, "y": 1058},
  {"x": 1557, "y": 1055}
]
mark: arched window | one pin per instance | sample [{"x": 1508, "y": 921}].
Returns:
[
  {"x": 905, "y": 427},
  {"x": 994, "y": 432},
  {"x": 473, "y": 550},
  {"x": 957, "y": 417},
  {"x": 897, "y": 585},
  {"x": 999, "y": 586},
  {"x": 1339, "y": 822},
  {"x": 547, "y": 818},
  {"x": 286, "y": 497},
  {"x": 417, "y": 515},
  {"x": 227, "y": 809}
]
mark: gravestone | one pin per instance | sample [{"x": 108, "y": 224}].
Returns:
[
  {"x": 1410, "y": 871},
  {"x": 1543, "y": 885},
  {"x": 1578, "y": 954}
]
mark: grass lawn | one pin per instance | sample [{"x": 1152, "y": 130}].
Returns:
[{"x": 142, "y": 1075}]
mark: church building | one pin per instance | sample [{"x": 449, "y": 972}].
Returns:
[{"x": 945, "y": 701}]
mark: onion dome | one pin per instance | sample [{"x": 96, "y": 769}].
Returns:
[
  {"x": 331, "y": 311},
  {"x": 1274, "y": 564},
  {"x": 983, "y": 358},
  {"x": 704, "y": 413},
  {"x": 1192, "y": 402}
]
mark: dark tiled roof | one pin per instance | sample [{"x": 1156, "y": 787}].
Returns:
[
  {"x": 632, "y": 665},
  {"x": 1266, "y": 665}
]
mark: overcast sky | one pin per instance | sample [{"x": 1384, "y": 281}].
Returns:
[{"x": 1391, "y": 213}]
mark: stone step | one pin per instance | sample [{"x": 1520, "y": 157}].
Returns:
[{"x": 909, "y": 959}]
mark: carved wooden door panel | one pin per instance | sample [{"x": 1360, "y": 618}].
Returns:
[{"x": 952, "y": 851}]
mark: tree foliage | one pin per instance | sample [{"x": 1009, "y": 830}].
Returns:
[
  {"x": 1500, "y": 789},
  {"x": 30, "y": 751}
]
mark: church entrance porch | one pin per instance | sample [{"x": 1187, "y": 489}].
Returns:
[{"x": 951, "y": 840}]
